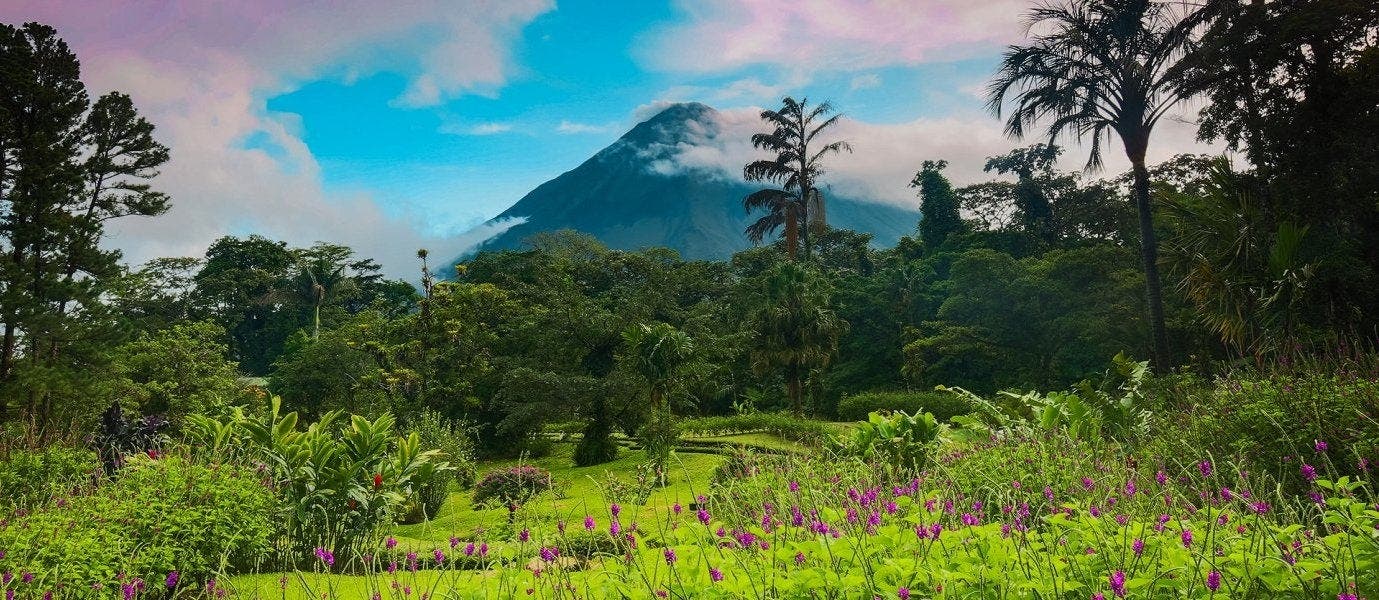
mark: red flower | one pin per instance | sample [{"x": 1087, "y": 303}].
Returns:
[
  {"x": 377, "y": 481},
  {"x": 153, "y": 454}
]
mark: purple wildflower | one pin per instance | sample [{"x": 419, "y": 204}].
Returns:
[
  {"x": 715, "y": 575},
  {"x": 1213, "y": 580},
  {"x": 171, "y": 581}
]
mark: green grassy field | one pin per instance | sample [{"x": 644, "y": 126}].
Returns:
[{"x": 580, "y": 491}]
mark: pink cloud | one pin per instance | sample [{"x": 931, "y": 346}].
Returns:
[
  {"x": 830, "y": 34},
  {"x": 201, "y": 70}
]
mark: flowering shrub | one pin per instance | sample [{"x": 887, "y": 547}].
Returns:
[
  {"x": 159, "y": 517},
  {"x": 31, "y": 477},
  {"x": 337, "y": 486},
  {"x": 511, "y": 487},
  {"x": 1283, "y": 416}
]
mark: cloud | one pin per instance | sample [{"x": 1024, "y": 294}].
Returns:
[
  {"x": 864, "y": 82},
  {"x": 490, "y": 128},
  {"x": 723, "y": 35},
  {"x": 886, "y": 155},
  {"x": 572, "y": 128},
  {"x": 201, "y": 72}
]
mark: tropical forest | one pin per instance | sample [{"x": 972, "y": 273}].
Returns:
[{"x": 1114, "y": 335}]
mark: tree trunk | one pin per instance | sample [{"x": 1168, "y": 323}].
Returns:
[
  {"x": 793, "y": 390},
  {"x": 792, "y": 231},
  {"x": 1149, "y": 253}
]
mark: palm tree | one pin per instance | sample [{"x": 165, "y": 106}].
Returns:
[
  {"x": 1243, "y": 269},
  {"x": 656, "y": 353},
  {"x": 796, "y": 331},
  {"x": 796, "y": 168},
  {"x": 1097, "y": 67}
]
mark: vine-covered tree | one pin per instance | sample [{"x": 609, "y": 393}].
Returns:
[
  {"x": 798, "y": 205},
  {"x": 938, "y": 205}
]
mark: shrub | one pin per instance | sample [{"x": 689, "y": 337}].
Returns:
[
  {"x": 176, "y": 372},
  {"x": 339, "y": 484},
  {"x": 942, "y": 405},
  {"x": 456, "y": 449},
  {"x": 1279, "y": 420},
  {"x": 511, "y": 487},
  {"x": 160, "y": 516},
  {"x": 783, "y": 425},
  {"x": 897, "y": 440},
  {"x": 31, "y": 477}
]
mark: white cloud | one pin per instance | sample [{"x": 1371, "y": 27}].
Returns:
[
  {"x": 864, "y": 82},
  {"x": 573, "y": 128},
  {"x": 201, "y": 74},
  {"x": 490, "y": 128}
]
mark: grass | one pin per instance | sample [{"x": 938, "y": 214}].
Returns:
[{"x": 579, "y": 493}]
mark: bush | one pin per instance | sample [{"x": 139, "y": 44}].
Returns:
[
  {"x": 456, "y": 448},
  {"x": 942, "y": 405},
  {"x": 783, "y": 425},
  {"x": 33, "y": 477},
  {"x": 339, "y": 483},
  {"x": 511, "y": 487},
  {"x": 1278, "y": 420},
  {"x": 160, "y": 516}
]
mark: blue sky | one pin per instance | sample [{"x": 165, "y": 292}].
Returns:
[
  {"x": 394, "y": 126},
  {"x": 468, "y": 158}
]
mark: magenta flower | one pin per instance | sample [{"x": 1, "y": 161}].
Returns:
[
  {"x": 1213, "y": 580},
  {"x": 549, "y": 554},
  {"x": 1117, "y": 580},
  {"x": 670, "y": 556},
  {"x": 325, "y": 556},
  {"x": 799, "y": 559},
  {"x": 1187, "y": 537},
  {"x": 715, "y": 575},
  {"x": 438, "y": 555},
  {"x": 171, "y": 580},
  {"x": 588, "y": 523},
  {"x": 1320, "y": 446},
  {"x": 1309, "y": 472},
  {"x": 391, "y": 542},
  {"x": 704, "y": 516},
  {"x": 524, "y": 535},
  {"x": 1137, "y": 546},
  {"x": 1205, "y": 468},
  {"x": 903, "y": 593},
  {"x": 469, "y": 549}
]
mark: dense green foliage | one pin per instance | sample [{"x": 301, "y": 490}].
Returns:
[
  {"x": 160, "y": 516},
  {"x": 943, "y": 406},
  {"x": 32, "y": 477},
  {"x": 337, "y": 483},
  {"x": 1039, "y": 460}
]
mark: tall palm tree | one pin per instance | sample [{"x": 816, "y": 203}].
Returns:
[
  {"x": 796, "y": 330},
  {"x": 1097, "y": 67},
  {"x": 796, "y": 168}
]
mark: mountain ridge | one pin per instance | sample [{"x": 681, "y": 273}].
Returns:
[{"x": 619, "y": 198}]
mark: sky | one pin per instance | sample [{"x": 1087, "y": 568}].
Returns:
[{"x": 392, "y": 126}]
